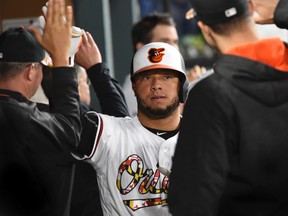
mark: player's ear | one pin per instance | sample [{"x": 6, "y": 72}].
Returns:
[
  {"x": 204, "y": 28},
  {"x": 29, "y": 72},
  {"x": 133, "y": 87}
]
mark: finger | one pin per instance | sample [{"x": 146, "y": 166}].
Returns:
[
  {"x": 49, "y": 17},
  {"x": 59, "y": 11},
  {"x": 69, "y": 16},
  {"x": 84, "y": 39},
  {"x": 90, "y": 38},
  {"x": 203, "y": 69},
  {"x": 95, "y": 49}
]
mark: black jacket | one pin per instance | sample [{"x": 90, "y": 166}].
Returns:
[
  {"x": 231, "y": 156},
  {"x": 36, "y": 169},
  {"x": 108, "y": 91}
]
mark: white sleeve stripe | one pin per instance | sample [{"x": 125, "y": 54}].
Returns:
[
  {"x": 97, "y": 137},
  {"x": 96, "y": 141}
]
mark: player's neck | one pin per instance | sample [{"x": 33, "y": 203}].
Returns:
[{"x": 169, "y": 123}]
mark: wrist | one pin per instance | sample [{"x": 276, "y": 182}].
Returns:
[{"x": 60, "y": 60}]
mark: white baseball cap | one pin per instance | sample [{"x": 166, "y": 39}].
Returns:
[
  {"x": 160, "y": 55},
  {"x": 157, "y": 55}
]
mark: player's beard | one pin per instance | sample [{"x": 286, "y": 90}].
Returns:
[{"x": 157, "y": 113}]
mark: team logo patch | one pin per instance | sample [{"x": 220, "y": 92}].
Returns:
[
  {"x": 155, "y": 55},
  {"x": 132, "y": 176}
]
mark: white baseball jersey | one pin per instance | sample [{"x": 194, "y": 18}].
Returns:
[{"x": 125, "y": 156}]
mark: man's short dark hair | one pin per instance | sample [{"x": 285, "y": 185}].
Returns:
[
  {"x": 142, "y": 30},
  {"x": 9, "y": 69}
]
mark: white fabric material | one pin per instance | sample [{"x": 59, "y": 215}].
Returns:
[
  {"x": 126, "y": 159},
  {"x": 130, "y": 96}
]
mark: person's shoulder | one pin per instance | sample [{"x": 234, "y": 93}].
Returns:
[
  {"x": 109, "y": 119},
  {"x": 212, "y": 81},
  {"x": 200, "y": 78},
  {"x": 281, "y": 15},
  {"x": 212, "y": 89}
]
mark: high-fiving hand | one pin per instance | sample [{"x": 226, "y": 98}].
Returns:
[
  {"x": 56, "y": 37},
  {"x": 88, "y": 54},
  {"x": 265, "y": 11}
]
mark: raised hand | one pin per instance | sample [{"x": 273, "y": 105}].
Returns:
[
  {"x": 56, "y": 37},
  {"x": 265, "y": 10},
  {"x": 76, "y": 34},
  {"x": 88, "y": 53}
]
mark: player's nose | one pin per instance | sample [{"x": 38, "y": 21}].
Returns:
[{"x": 156, "y": 83}]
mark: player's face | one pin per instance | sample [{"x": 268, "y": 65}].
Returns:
[
  {"x": 165, "y": 33},
  {"x": 157, "y": 93},
  {"x": 83, "y": 87}
]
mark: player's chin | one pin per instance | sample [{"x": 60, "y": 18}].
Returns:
[
  {"x": 163, "y": 101},
  {"x": 158, "y": 106},
  {"x": 157, "y": 111}
]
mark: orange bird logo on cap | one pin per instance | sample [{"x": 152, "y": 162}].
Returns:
[{"x": 155, "y": 55}]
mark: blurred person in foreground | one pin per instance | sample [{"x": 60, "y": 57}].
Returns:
[
  {"x": 85, "y": 198},
  {"x": 36, "y": 167},
  {"x": 231, "y": 157}
]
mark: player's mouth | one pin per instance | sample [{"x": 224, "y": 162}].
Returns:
[{"x": 158, "y": 98}]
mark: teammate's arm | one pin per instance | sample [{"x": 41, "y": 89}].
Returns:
[
  {"x": 91, "y": 129},
  {"x": 108, "y": 90}
]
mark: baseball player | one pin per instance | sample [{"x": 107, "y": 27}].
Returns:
[{"x": 125, "y": 152}]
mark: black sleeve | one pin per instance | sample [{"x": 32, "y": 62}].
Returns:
[
  {"x": 108, "y": 91},
  {"x": 281, "y": 14},
  {"x": 65, "y": 98},
  {"x": 55, "y": 82},
  {"x": 90, "y": 126},
  {"x": 50, "y": 137}
]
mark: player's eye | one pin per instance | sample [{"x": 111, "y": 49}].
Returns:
[
  {"x": 146, "y": 78},
  {"x": 166, "y": 77}
]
